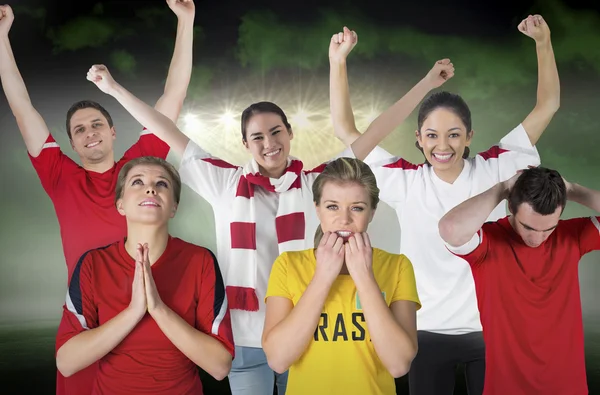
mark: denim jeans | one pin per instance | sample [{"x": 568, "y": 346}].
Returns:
[{"x": 251, "y": 375}]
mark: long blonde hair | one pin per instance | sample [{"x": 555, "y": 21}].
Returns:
[{"x": 345, "y": 171}]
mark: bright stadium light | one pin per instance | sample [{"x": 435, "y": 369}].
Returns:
[
  {"x": 227, "y": 119},
  {"x": 192, "y": 123},
  {"x": 300, "y": 120}
]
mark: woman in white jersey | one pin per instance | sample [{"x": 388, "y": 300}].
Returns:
[
  {"x": 449, "y": 328},
  {"x": 261, "y": 209}
]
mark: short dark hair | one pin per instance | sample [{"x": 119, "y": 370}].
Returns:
[
  {"x": 148, "y": 160},
  {"x": 259, "y": 108},
  {"x": 80, "y": 105},
  {"x": 544, "y": 189},
  {"x": 449, "y": 101}
]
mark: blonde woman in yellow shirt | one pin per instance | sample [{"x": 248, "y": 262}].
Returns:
[{"x": 342, "y": 316}]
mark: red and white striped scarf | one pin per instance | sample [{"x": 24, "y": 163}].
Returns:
[{"x": 289, "y": 223}]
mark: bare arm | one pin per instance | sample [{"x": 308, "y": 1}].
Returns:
[
  {"x": 180, "y": 70},
  {"x": 289, "y": 329},
  {"x": 584, "y": 196},
  {"x": 33, "y": 128},
  {"x": 159, "y": 124},
  {"x": 204, "y": 350},
  {"x": 91, "y": 345},
  {"x": 460, "y": 224},
  {"x": 548, "y": 90},
  {"x": 393, "y": 329},
  {"x": 342, "y": 116},
  {"x": 391, "y": 118}
]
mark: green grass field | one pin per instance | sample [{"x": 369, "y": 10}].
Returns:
[{"x": 27, "y": 362}]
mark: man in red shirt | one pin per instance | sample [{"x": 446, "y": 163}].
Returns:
[
  {"x": 83, "y": 195},
  {"x": 525, "y": 268}
]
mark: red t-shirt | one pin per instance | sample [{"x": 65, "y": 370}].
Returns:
[
  {"x": 188, "y": 281},
  {"x": 84, "y": 202},
  {"x": 531, "y": 308}
]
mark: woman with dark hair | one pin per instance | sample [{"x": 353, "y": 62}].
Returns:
[{"x": 449, "y": 327}]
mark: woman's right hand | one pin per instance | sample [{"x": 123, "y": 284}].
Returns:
[
  {"x": 138, "y": 302},
  {"x": 341, "y": 45},
  {"x": 330, "y": 257}
]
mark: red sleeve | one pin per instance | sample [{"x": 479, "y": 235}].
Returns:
[
  {"x": 212, "y": 312},
  {"x": 475, "y": 251},
  {"x": 50, "y": 164},
  {"x": 79, "y": 311},
  {"x": 147, "y": 145},
  {"x": 588, "y": 230}
]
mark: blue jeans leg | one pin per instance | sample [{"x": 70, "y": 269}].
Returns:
[{"x": 251, "y": 375}]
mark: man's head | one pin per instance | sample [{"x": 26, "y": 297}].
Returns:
[
  {"x": 91, "y": 131},
  {"x": 537, "y": 200}
]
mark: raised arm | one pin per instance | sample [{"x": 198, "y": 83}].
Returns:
[
  {"x": 340, "y": 47},
  {"x": 391, "y": 118},
  {"x": 548, "y": 90},
  {"x": 82, "y": 346},
  {"x": 33, "y": 128},
  {"x": 461, "y": 223},
  {"x": 584, "y": 196},
  {"x": 289, "y": 329},
  {"x": 180, "y": 70},
  {"x": 160, "y": 125},
  {"x": 393, "y": 329}
]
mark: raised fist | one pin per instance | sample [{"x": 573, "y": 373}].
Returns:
[
  {"x": 100, "y": 76},
  {"x": 182, "y": 8},
  {"x": 535, "y": 26},
  {"x": 342, "y": 44},
  {"x": 441, "y": 72},
  {"x": 6, "y": 19}
]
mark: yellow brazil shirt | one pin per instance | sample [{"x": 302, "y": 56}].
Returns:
[{"x": 341, "y": 359}]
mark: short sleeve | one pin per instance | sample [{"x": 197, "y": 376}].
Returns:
[
  {"x": 147, "y": 145},
  {"x": 206, "y": 175},
  {"x": 406, "y": 288},
  {"x": 513, "y": 153},
  {"x": 588, "y": 231},
  {"x": 212, "y": 312},
  {"x": 79, "y": 312},
  {"x": 474, "y": 251},
  {"x": 51, "y": 164},
  {"x": 278, "y": 284},
  {"x": 394, "y": 177}
]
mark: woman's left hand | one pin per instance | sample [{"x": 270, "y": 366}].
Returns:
[
  {"x": 152, "y": 297},
  {"x": 359, "y": 256}
]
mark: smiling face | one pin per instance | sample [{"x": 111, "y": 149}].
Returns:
[
  {"x": 91, "y": 136},
  {"x": 268, "y": 140},
  {"x": 344, "y": 208},
  {"x": 148, "y": 195},
  {"x": 444, "y": 138}
]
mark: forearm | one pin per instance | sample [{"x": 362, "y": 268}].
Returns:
[
  {"x": 91, "y": 345},
  {"x": 285, "y": 343},
  {"x": 584, "y": 196},
  {"x": 342, "y": 117},
  {"x": 393, "y": 343},
  {"x": 391, "y": 118},
  {"x": 459, "y": 224},
  {"x": 204, "y": 350},
  {"x": 180, "y": 71},
  {"x": 153, "y": 120},
  {"x": 548, "y": 92},
  {"x": 32, "y": 126}
]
